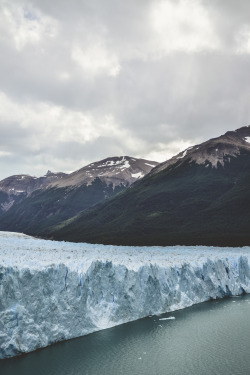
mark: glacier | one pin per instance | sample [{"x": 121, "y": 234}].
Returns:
[{"x": 52, "y": 291}]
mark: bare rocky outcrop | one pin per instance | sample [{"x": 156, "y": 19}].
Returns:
[{"x": 212, "y": 152}]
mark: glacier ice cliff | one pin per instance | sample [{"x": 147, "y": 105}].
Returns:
[{"x": 52, "y": 291}]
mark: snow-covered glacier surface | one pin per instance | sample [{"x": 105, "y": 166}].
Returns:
[{"x": 52, "y": 291}]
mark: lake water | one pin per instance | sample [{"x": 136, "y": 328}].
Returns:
[{"x": 212, "y": 338}]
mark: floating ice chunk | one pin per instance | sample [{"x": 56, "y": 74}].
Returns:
[
  {"x": 170, "y": 318},
  {"x": 60, "y": 290}
]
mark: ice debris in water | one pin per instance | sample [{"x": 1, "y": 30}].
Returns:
[
  {"x": 52, "y": 291},
  {"x": 170, "y": 318}
]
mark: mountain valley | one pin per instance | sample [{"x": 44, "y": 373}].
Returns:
[
  {"x": 199, "y": 197},
  {"x": 34, "y": 205}
]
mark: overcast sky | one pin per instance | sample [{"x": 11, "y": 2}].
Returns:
[{"x": 82, "y": 80}]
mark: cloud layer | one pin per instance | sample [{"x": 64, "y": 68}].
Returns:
[{"x": 81, "y": 81}]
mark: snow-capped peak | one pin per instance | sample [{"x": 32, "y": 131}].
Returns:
[
  {"x": 118, "y": 170},
  {"x": 213, "y": 152}
]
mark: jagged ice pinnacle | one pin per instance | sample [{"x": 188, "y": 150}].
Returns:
[{"x": 52, "y": 291}]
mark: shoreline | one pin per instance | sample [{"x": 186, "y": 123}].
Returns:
[{"x": 99, "y": 287}]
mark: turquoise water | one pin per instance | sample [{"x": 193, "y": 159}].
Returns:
[{"x": 212, "y": 338}]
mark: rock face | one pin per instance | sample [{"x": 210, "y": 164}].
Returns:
[
  {"x": 27, "y": 184},
  {"x": 116, "y": 171},
  {"x": 122, "y": 170},
  {"x": 53, "y": 291},
  {"x": 214, "y": 152},
  {"x": 47, "y": 201},
  {"x": 199, "y": 197},
  {"x": 15, "y": 188}
]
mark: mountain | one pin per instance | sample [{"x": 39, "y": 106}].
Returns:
[
  {"x": 199, "y": 197},
  {"x": 214, "y": 152},
  {"x": 15, "y": 188},
  {"x": 117, "y": 171},
  {"x": 32, "y": 205}
]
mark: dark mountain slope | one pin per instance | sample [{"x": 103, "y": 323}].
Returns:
[
  {"x": 15, "y": 188},
  {"x": 201, "y": 196},
  {"x": 45, "y": 208},
  {"x": 66, "y": 197}
]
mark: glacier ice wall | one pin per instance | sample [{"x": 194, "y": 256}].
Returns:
[{"x": 44, "y": 300}]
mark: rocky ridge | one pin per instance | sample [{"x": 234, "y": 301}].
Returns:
[
  {"x": 214, "y": 151},
  {"x": 117, "y": 171},
  {"x": 198, "y": 197},
  {"x": 122, "y": 170}
]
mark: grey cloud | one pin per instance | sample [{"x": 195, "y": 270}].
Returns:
[{"x": 157, "y": 96}]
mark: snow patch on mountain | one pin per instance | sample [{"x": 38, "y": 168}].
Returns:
[
  {"x": 184, "y": 153},
  {"x": 116, "y": 171},
  {"x": 137, "y": 175},
  {"x": 52, "y": 291},
  {"x": 125, "y": 165},
  {"x": 214, "y": 152}
]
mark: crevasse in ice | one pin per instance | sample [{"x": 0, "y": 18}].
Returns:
[{"x": 52, "y": 291}]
